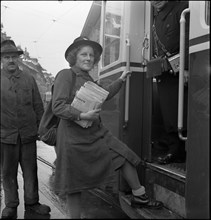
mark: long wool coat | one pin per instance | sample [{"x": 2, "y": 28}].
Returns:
[{"x": 85, "y": 156}]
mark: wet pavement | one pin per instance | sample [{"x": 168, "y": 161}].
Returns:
[{"x": 93, "y": 207}]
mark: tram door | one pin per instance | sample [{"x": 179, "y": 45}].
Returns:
[
  {"x": 124, "y": 34},
  {"x": 145, "y": 125},
  {"x": 121, "y": 28}
]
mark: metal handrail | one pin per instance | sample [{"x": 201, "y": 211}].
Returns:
[
  {"x": 102, "y": 27},
  {"x": 181, "y": 74},
  {"x": 127, "y": 88}
]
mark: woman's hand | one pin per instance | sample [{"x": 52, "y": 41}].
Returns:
[
  {"x": 124, "y": 75},
  {"x": 90, "y": 115}
]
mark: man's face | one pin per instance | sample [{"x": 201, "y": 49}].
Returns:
[
  {"x": 158, "y": 4},
  {"x": 9, "y": 62}
]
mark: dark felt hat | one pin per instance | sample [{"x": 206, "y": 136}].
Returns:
[
  {"x": 83, "y": 41},
  {"x": 8, "y": 46}
]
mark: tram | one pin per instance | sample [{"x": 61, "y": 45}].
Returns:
[{"x": 123, "y": 28}]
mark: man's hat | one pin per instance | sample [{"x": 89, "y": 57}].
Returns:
[
  {"x": 83, "y": 41},
  {"x": 8, "y": 46}
]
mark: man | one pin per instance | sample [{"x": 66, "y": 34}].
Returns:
[
  {"x": 166, "y": 36},
  {"x": 21, "y": 111}
]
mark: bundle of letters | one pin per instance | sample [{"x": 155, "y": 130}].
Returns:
[{"x": 89, "y": 97}]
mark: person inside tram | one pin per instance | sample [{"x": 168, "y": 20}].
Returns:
[
  {"x": 88, "y": 157},
  {"x": 21, "y": 111},
  {"x": 166, "y": 42}
]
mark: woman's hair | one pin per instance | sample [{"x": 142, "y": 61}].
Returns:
[{"x": 71, "y": 57}]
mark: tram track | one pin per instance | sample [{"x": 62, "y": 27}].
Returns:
[
  {"x": 99, "y": 193},
  {"x": 46, "y": 162}
]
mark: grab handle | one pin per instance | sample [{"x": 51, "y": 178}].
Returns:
[
  {"x": 127, "y": 87},
  {"x": 181, "y": 74}
]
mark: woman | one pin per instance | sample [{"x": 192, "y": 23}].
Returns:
[{"x": 87, "y": 157}]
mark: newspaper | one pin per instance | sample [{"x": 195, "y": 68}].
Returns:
[{"x": 89, "y": 97}]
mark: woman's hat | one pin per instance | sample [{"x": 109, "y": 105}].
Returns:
[
  {"x": 83, "y": 41},
  {"x": 8, "y": 46}
]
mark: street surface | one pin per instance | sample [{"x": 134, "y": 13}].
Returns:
[{"x": 93, "y": 207}]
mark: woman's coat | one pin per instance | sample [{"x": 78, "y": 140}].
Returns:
[{"x": 84, "y": 158}]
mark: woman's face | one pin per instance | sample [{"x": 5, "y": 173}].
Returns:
[{"x": 85, "y": 58}]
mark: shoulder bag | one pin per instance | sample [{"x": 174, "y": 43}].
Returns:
[
  {"x": 168, "y": 62},
  {"x": 49, "y": 122}
]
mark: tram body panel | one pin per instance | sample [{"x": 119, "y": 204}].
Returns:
[
  {"x": 197, "y": 200},
  {"x": 123, "y": 42}
]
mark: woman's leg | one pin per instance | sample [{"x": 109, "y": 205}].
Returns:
[
  {"x": 74, "y": 205},
  {"x": 129, "y": 172},
  {"x": 139, "y": 197}
]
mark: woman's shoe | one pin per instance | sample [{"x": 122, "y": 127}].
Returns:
[{"x": 143, "y": 201}]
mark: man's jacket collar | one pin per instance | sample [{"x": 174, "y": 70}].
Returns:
[{"x": 9, "y": 75}]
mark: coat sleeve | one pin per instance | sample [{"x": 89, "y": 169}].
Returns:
[
  {"x": 61, "y": 105},
  {"x": 113, "y": 88}
]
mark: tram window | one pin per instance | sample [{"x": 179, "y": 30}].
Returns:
[
  {"x": 207, "y": 12},
  {"x": 113, "y": 17},
  {"x": 111, "y": 50}
]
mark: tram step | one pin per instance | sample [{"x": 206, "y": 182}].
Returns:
[
  {"x": 167, "y": 185},
  {"x": 144, "y": 213}
]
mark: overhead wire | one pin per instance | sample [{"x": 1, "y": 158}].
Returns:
[{"x": 51, "y": 18}]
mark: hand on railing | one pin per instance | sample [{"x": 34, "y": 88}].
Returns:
[{"x": 124, "y": 75}]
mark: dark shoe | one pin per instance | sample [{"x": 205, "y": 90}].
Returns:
[
  {"x": 9, "y": 213},
  {"x": 170, "y": 158},
  {"x": 34, "y": 215},
  {"x": 144, "y": 202},
  {"x": 143, "y": 199},
  {"x": 38, "y": 208}
]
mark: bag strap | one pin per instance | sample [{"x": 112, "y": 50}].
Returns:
[
  {"x": 158, "y": 42},
  {"x": 73, "y": 76}
]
